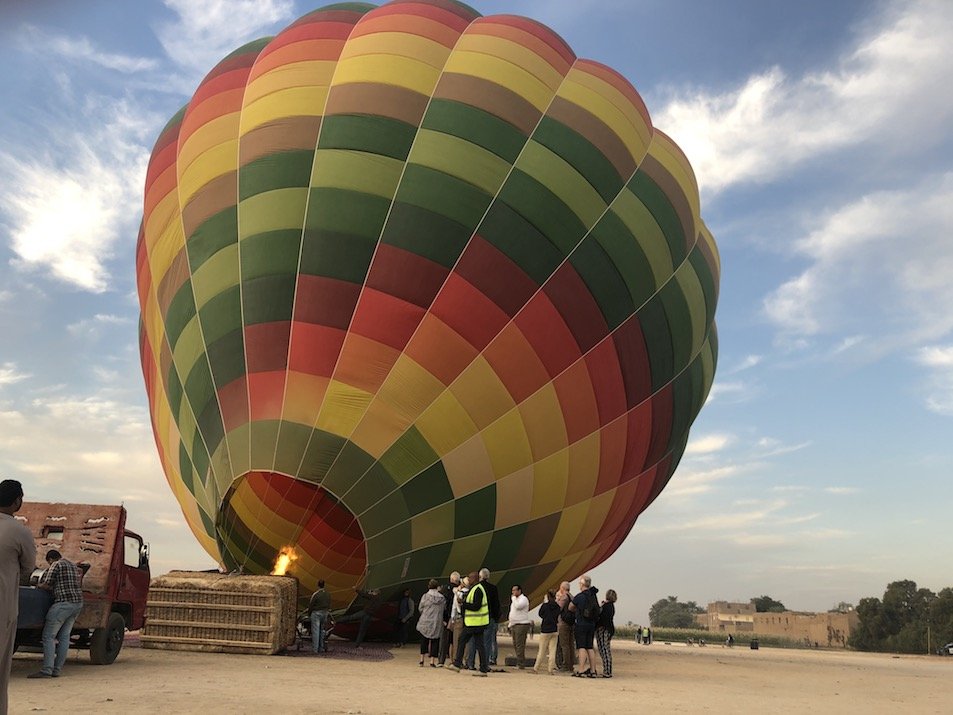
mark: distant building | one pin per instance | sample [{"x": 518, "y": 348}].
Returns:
[{"x": 830, "y": 630}]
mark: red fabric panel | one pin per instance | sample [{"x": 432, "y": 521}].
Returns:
[
  {"x": 386, "y": 319},
  {"x": 469, "y": 312},
  {"x": 314, "y": 348},
  {"x": 233, "y": 400},
  {"x": 611, "y": 456},
  {"x": 515, "y": 363},
  {"x": 639, "y": 424},
  {"x": 496, "y": 276},
  {"x": 266, "y": 346},
  {"x": 603, "y": 365},
  {"x": 580, "y": 411},
  {"x": 405, "y": 275},
  {"x": 266, "y": 393},
  {"x": 325, "y": 301},
  {"x": 542, "y": 324},
  {"x": 575, "y": 303},
  {"x": 662, "y": 412},
  {"x": 634, "y": 362},
  {"x": 441, "y": 351}
]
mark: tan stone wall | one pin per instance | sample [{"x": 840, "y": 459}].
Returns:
[{"x": 829, "y": 630}]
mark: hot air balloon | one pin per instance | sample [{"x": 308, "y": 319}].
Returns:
[{"x": 420, "y": 291}]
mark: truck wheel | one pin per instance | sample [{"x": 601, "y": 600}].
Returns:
[{"x": 107, "y": 642}]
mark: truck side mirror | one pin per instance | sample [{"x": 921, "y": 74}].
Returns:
[{"x": 144, "y": 556}]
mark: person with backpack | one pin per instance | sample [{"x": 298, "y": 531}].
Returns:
[
  {"x": 605, "y": 629},
  {"x": 585, "y": 605},
  {"x": 565, "y": 655}
]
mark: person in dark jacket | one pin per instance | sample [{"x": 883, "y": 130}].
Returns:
[
  {"x": 446, "y": 636},
  {"x": 476, "y": 616},
  {"x": 493, "y": 598},
  {"x": 605, "y": 629},
  {"x": 405, "y": 613},
  {"x": 585, "y": 629},
  {"x": 549, "y": 617},
  {"x": 319, "y": 607},
  {"x": 371, "y": 602}
]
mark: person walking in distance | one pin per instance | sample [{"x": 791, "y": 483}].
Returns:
[
  {"x": 519, "y": 623},
  {"x": 62, "y": 579},
  {"x": 17, "y": 561}
]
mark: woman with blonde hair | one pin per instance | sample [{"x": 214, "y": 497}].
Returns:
[{"x": 605, "y": 629}]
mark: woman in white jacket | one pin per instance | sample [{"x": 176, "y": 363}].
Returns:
[{"x": 430, "y": 622}]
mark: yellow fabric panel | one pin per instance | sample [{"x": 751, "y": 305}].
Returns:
[
  {"x": 155, "y": 324},
  {"x": 271, "y": 211},
  {"x": 403, "y": 72},
  {"x": 550, "y": 481},
  {"x": 409, "y": 388},
  {"x": 343, "y": 408},
  {"x": 379, "y": 428},
  {"x": 598, "y": 509},
  {"x": 356, "y": 171},
  {"x": 163, "y": 212},
  {"x": 396, "y": 45},
  {"x": 238, "y": 442},
  {"x": 190, "y": 347},
  {"x": 468, "y": 467},
  {"x": 166, "y": 247},
  {"x": 221, "y": 468},
  {"x": 596, "y": 103},
  {"x": 559, "y": 176},
  {"x": 695, "y": 297},
  {"x": 481, "y": 393},
  {"x": 644, "y": 227},
  {"x": 512, "y": 52},
  {"x": 633, "y": 117},
  {"x": 581, "y": 562},
  {"x": 460, "y": 158},
  {"x": 214, "y": 133},
  {"x": 214, "y": 162},
  {"x": 507, "y": 444},
  {"x": 186, "y": 421},
  {"x": 303, "y": 393},
  {"x": 445, "y": 424},
  {"x": 468, "y": 554},
  {"x": 503, "y": 73},
  {"x": 216, "y": 275},
  {"x": 705, "y": 235},
  {"x": 542, "y": 418},
  {"x": 514, "y": 498},
  {"x": 432, "y": 527},
  {"x": 247, "y": 507},
  {"x": 307, "y": 74},
  {"x": 583, "y": 469},
  {"x": 292, "y": 102},
  {"x": 667, "y": 153},
  {"x": 570, "y": 521}
]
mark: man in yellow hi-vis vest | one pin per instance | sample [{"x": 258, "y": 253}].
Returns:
[{"x": 476, "y": 617}]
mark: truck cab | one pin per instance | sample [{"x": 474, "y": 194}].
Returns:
[{"x": 115, "y": 582}]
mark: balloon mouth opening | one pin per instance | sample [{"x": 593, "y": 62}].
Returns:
[{"x": 264, "y": 513}]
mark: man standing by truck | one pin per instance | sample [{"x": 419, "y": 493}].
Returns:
[
  {"x": 62, "y": 579},
  {"x": 17, "y": 561}
]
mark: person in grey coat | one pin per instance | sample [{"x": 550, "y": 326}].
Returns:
[{"x": 430, "y": 622}]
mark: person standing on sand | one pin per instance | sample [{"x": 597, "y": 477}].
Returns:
[
  {"x": 62, "y": 579},
  {"x": 564, "y": 629},
  {"x": 605, "y": 629},
  {"x": 476, "y": 617},
  {"x": 372, "y": 600},
  {"x": 405, "y": 612},
  {"x": 519, "y": 622},
  {"x": 549, "y": 617},
  {"x": 17, "y": 561},
  {"x": 585, "y": 630},
  {"x": 318, "y": 609},
  {"x": 446, "y": 636},
  {"x": 430, "y": 622},
  {"x": 493, "y": 596}
]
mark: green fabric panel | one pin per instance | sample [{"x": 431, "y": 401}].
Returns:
[
  {"x": 227, "y": 358},
  {"x": 221, "y": 315},
  {"x": 603, "y": 281},
  {"x": 368, "y": 133},
  {"x": 212, "y": 236},
  {"x": 460, "y": 159},
  {"x": 543, "y": 209},
  {"x": 475, "y": 513},
  {"x": 427, "y": 233},
  {"x": 387, "y": 572},
  {"x": 521, "y": 242},
  {"x": 434, "y": 526},
  {"x": 185, "y": 469},
  {"x": 322, "y": 449},
  {"x": 292, "y": 439},
  {"x": 476, "y": 126},
  {"x": 189, "y": 348},
  {"x": 389, "y": 511},
  {"x": 199, "y": 389},
  {"x": 250, "y": 48},
  {"x": 371, "y": 488},
  {"x": 468, "y": 551},
  {"x": 216, "y": 275},
  {"x": 356, "y": 171},
  {"x": 264, "y": 437},
  {"x": 207, "y": 523},
  {"x": 200, "y": 464},
  {"x": 565, "y": 183},
  {"x": 389, "y": 543},
  {"x": 683, "y": 388},
  {"x": 209, "y": 419},
  {"x": 457, "y": 200},
  {"x": 626, "y": 255},
  {"x": 181, "y": 311},
  {"x": 269, "y": 299},
  {"x": 695, "y": 302},
  {"x": 198, "y": 447},
  {"x": 272, "y": 210},
  {"x": 428, "y": 562},
  {"x": 347, "y": 212},
  {"x": 707, "y": 281},
  {"x": 336, "y": 255},
  {"x": 679, "y": 322},
  {"x": 428, "y": 489},
  {"x": 271, "y": 253},
  {"x": 643, "y": 226},
  {"x": 275, "y": 171},
  {"x": 506, "y": 544},
  {"x": 408, "y": 456},
  {"x": 582, "y": 155},
  {"x": 658, "y": 341},
  {"x": 173, "y": 391},
  {"x": 657, "y": 202}
]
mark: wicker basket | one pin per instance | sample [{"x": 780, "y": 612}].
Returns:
[{"x": 221, "y": 614}]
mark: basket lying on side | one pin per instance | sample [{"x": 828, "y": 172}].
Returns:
[{"x": 220, "y": 613}]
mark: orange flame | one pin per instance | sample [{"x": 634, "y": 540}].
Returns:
[{"x": 286, "y": 557}]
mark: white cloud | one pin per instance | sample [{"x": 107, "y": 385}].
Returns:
[
  {"x": 708, "y": 443},
  {"x": 879, "y": 264},
  {"x": 842, "y": 490},
  {"x": 939, "y": 362},
  {"x": 81, "y": 48},
  {"x": 887, "y": 85},
  {"x": 9, "y": 374},
  {"x": 205, "y": 32},
  {"x": 747, "y": 363},
  {"x": 68, "y": 204}
]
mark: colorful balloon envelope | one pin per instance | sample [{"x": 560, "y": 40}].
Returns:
[{"x": 421, "y": 291}]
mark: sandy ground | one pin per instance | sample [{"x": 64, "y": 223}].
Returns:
[{"x": 667, "y": 678}]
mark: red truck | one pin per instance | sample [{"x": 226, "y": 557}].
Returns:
[{"x": 115, "y": 584}]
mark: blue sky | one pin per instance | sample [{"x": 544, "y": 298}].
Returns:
[{"x": 821, "y": 467}]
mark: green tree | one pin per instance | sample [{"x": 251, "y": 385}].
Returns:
[
  {"x": 901, "y": 621},
  {"x": 766, "y": 604},
  {"x": 671, "y": 613}
]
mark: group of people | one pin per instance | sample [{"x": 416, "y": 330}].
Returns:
[{"x": 460, "y": 619}]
